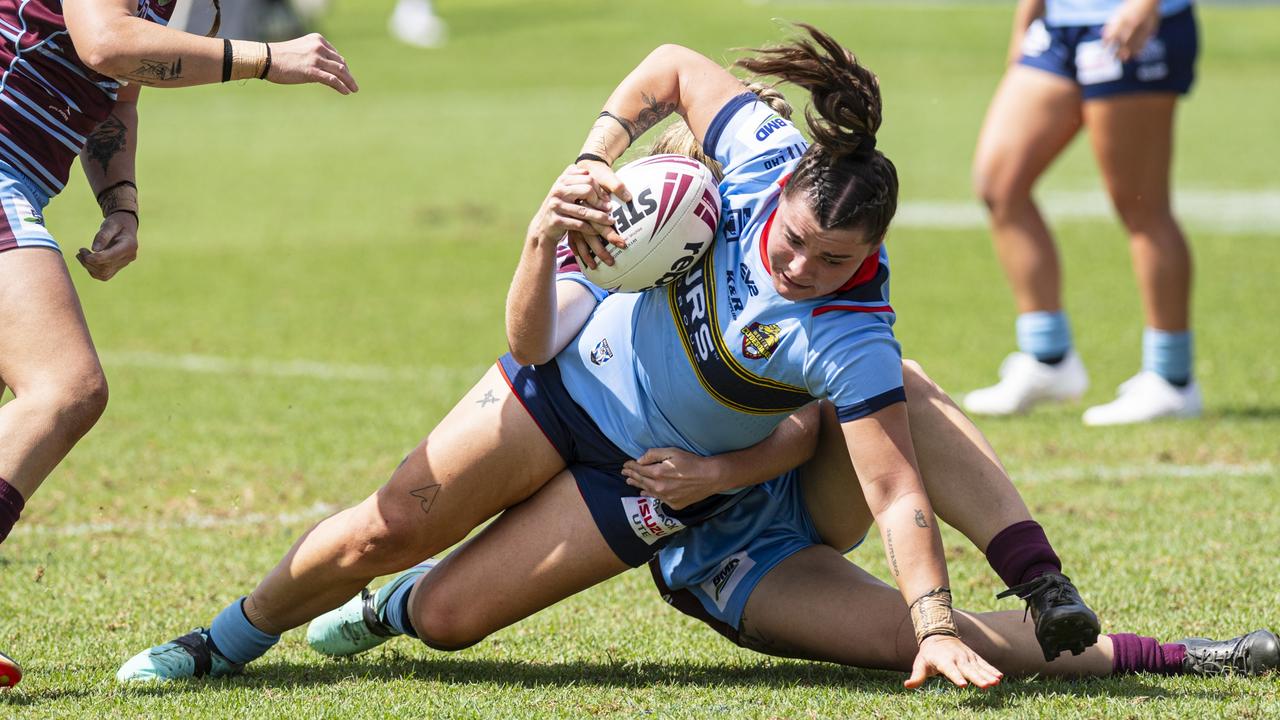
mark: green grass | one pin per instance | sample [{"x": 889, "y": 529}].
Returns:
[{"x": 293, "y": 224}]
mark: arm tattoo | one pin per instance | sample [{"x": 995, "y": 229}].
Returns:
[
  {"x": 153, "y": 71},
  {"x": 426, "y": 496},
  {"x": 920, "y": 519},
  {"x": 652, "y": 113},
  {"x": 107, "y": 140},
  {"x": 893, "y": 557}
]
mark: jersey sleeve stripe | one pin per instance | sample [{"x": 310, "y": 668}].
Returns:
[
  {"x": 878, "y": 402},
  {"x": 722, "y": 118}
]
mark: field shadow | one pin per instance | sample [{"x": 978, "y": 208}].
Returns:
[
  {"x": 462, "y": 671},
  {"x": 1248, "y": 412}
]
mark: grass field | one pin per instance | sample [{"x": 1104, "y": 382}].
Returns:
[{"x": 321, "y": 277}]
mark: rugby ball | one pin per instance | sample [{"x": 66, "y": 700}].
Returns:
[{"x": 668, "y": 225}]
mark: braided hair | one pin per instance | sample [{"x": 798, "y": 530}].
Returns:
[{"x": 844, "y": 179}]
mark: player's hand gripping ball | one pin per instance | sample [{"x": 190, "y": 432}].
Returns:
[{"x": 668, "y": 225}]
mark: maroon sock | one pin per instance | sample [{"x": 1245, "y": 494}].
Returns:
[
  {"x": 1137, "y": 653},
  {"x": 1021, "y": 553},
  {"x": 11, "y": 504}
]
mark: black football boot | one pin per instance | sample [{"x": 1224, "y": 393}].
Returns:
[
  {"x": 1063, "y": 621},
  {"x": 1251, "y": 654}
]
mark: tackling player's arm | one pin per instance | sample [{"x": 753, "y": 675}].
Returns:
[
  {"x": 111, "y": 40},
  {"x": 885, "y": 462},
  {"x": 542, "y": 314},
  {"x": 108, "y": 162},
  {"x": 680, "y": 479}
]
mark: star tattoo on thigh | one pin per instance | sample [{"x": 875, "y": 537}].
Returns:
[{"x": 488, "y": 399}]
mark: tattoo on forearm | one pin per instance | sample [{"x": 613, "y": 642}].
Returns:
[
  {"x": 893, "y": 557},
  {"x": 154, "y": 71},
  {"x": 488, "y": 399},
  {"x": 652, "y": 113},
  {"x": 426, "y": 496},
  {"x": 920, "y": 522},
  {"x": 106, "y": 141}
]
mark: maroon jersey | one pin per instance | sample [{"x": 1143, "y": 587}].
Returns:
[{"x": 49, "y": 100}]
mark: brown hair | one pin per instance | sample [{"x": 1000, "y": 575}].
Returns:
[{"x": 846, "y": 181}]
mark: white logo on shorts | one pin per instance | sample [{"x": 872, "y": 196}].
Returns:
[
  {"x": 648, "y": 521},
  {"x": 1035, "y": 40},
  {"x": 720, "y": 586},
  {"x": 1097, "y": 63}
]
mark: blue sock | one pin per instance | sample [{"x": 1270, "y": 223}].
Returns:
[
  {"x": 235, "y": 638},
  {"x": 1046, "y": 336},
  {"x": 396, "y": 612},
  {"x": 1167, "y": 354}
]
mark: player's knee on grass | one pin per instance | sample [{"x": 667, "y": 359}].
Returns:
[{"x": 444, "y": 619}]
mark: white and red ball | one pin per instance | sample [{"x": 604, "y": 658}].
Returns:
[{"x": 668, "y": 225}]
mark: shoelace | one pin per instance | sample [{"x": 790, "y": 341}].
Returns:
[
  {"x": 1217, "y": 659},
  {"x": 1049, "y": 586}
]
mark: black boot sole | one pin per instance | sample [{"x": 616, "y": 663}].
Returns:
[{"x": 1075, "y": 632}]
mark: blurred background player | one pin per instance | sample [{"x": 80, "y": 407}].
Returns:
[
  {"x": 1117, "y": 68},
  {"x": 70, "y": 85},
  {"x": 413, "y": 22}
]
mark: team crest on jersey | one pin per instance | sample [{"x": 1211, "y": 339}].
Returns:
[
  {"x": 759, "y": 341},
  {"x": 602, "y": 354}
]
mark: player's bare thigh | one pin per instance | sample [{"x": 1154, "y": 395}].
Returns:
[
  {"x": 486, "y": 455},
  {"x": 534, "y": 555},
  {"x": 832, "y": 494},
  {"x": 43, "y": 335},
  {"x": 1031, "y": 118},
  {"x": 1132, "y": 140}
]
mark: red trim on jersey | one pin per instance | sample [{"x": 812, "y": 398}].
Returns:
[
  {"x": 516, "y": 395},
  {"x": 764, "y": 236},
  {"x": 866, "y": 271},
  {"x": 851, "y": 308}
]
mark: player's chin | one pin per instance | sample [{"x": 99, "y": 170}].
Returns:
[{"x": 791, "y": 291}]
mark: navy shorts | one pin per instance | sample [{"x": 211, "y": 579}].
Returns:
[
  {"x": 1165, "y": 65},
  {"x": 635, "y": 527}
]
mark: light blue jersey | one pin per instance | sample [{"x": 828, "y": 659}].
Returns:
[
  {"x": 1075, "y": 13},
  {"x": 713, "y": 362}
]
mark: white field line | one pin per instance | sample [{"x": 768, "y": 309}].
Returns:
[
  {"x": 215, "y": 365},
  {"x": 197, "y": 521},
  {"x": 1226, "y": 212}
]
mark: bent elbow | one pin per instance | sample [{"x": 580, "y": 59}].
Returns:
[
  {"x": 528, "y": 356},
  {"x": 105, "y": 50}
]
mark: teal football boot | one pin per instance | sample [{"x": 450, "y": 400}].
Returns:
[
  {"x": 190, "y": 656},
  {"x": 358, "y": 625}
]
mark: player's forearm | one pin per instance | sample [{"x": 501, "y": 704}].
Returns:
[
  {"x": 912, "y": 544},
  {"x": 108, "y": 158},
  {"x": 532, "y": 304},
  {"x": 790, "y": 444},
  {"x": 139, "y": 51},
  {"x": 1026, "y": 13}
]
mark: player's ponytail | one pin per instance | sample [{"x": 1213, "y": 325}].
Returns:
[{"x": 847, "y": 182}]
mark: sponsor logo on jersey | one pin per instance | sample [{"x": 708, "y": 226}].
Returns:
[
  {"x": 720, "y": 586},
  {"x": 759, "y": 341},
  {"x": 648, "y": 521},
  {"x": 767, "y": 128},
  {"x": 602, "y": 352}
]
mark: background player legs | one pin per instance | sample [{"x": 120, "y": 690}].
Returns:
[
  {"x": 48, "y": 360},
  {"x": 1032, "y": 117},
  {"x": 817, "y": 605},
  {"x": 536, "y": 554},
  {"x": 483, "y": 457},
  {"x": 1132, "y": 138}
]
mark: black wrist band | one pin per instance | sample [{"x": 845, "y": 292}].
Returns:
[
  {"x": 109, "y": 188},
  {"x": 226, "y": 60},
  {"x": 125, "y": 210},
  {"x": 266, "y": 67},
  {"x": 626, "y": 126},
  {"x": 591, "y": 156}
]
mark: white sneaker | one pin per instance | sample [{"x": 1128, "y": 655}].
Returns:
[
  {"x": 1144, "y": 397},
  {"x": 1025, "y": 381},
  {"x": 414, "y": 23}
]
